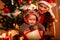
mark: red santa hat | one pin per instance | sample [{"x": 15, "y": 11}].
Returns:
[
  {"x": 46, "y": 3},
  {"x": 52, "y": 2},
  {"x": 49, "y": 5}
]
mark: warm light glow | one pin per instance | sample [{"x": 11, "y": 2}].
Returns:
[
  {"x": 59, "y": 7},
  {"x": 4, "y": 35},
  {"x": 9, "y": 33}
]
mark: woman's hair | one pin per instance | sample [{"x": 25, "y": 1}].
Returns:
[{"x": 48, "y": 20}]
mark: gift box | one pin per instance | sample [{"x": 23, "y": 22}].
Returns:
[{"x": 34, "y": 35}]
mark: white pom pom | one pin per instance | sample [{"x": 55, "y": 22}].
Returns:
[{"x": 53, "y": 4}]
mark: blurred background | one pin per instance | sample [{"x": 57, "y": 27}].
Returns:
[{"x": 56, "y": 11}]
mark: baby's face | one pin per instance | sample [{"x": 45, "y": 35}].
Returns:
[
  {"x": 31, "y": 19},
  {"x": 43, "y": 8}
]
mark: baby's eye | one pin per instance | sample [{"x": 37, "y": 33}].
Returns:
[
  {"x": 41, "y": 6},
  {"x": 30, "y": 19},
  {"x": 45, "y": 7},
  {"x": 33, "y": 19}
]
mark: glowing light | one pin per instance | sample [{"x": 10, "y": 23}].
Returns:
[
  {"x": 59, "y": 7},
  {"x": 4, "y": 35}
]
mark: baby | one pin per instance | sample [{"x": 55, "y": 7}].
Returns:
[{"x": 31, "y": 29}]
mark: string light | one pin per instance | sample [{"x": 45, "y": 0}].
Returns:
[{"x": 12, "y": 2}]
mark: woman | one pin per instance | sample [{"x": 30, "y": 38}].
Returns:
[{"x": 46, "y": 18}]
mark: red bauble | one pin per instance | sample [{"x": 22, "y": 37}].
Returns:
[
  {"x": 6, "y": 10},
  {"x": 20, "y": 1},
  {"x": 28, "y": 1}
]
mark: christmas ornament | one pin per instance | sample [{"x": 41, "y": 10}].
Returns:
[
  {"x": 6, "y": 10},
  {"x": 28, "y": 1},
  {"x": 20, "y": 1}
]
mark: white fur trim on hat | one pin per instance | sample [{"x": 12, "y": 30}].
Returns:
[
  {"x": 51, "y": 13},
  {"x": 46, "y": 3}
]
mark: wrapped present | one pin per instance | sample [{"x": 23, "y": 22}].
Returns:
[{"x": 34, "y": 35}]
